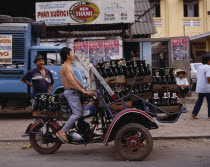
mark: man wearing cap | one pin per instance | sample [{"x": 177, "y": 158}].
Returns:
[
  {"x": 40, "y": 78},
  {"x": 183, "y": 86},
  {"x": 182, "y": 82}
]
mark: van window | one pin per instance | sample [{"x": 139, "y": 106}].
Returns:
[{"x": 51, "y": 58}]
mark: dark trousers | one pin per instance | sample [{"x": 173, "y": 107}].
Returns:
[
  {"x": 184, "y": 91},
  {"x": 199, "y": 102}
]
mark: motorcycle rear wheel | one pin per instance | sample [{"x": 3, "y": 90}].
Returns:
[
  {"x": 41, "y": 145},
  {"x": 133, "y": 142}
]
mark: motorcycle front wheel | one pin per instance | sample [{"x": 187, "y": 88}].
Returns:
[{"x": 44, "y": 143}]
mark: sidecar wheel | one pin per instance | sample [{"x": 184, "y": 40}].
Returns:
[
  {"x": 44, "y": 145},
  {"x": 133, "y": 142}
]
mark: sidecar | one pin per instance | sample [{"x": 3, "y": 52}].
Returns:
[{"x": 129, "y": 127}]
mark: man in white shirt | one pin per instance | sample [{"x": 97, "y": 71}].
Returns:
[
  {"x": 203, "y": 86},
  {"x": 182, "y": 82}
]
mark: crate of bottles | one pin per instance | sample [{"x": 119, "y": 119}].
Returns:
[
  {"x": 165, "y": 88},
  {"x": 166, "y": 101},
  {"x": 118, "y": 106},
  {"x": 139, "y": 80},
  {"x": 145, "y": 95},
  {"x": 115, "y": 80}
]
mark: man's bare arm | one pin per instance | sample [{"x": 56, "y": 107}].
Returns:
[
  {"x": 78, "y": 82},
  {"x": 26, "y": 82},
  {"x": 208, "y": 79}
]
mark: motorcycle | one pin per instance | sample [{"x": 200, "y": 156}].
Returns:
[{"x": 129, "y": 127}]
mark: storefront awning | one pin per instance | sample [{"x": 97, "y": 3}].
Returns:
[
  {"x": 200, "y": 37},
  {"x": 145, "y": 24}
]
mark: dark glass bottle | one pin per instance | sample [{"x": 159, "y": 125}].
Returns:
[
  {"x": 163, "y": 101},
  {"x": 115, "y": 71},
  {"x": 164, "y": 81},
  {"x": 121, "y": 72},
  {"x": 104, "y": 72},
  {"x": 111, "y": 73},
  {"x": 127, "y": 73},
  {"x": 132, "y": 73},
  {"x": 137, "y": 71},
  {"x": 136, "y": 90},
  {"x": 142, "y": 72},
  {"x": 159, "y": 80},
  {"x": 169, "y": 79},
  {"x": 154, "y": 80},
  {"x": 174, "y": 79},
  {"x": 148, "y": 72}
]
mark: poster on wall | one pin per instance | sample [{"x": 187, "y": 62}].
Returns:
[
  {"x": 180, "y": 48},
  {"x": 5, "y": 49},
  {"x": 111, "y": 50},
  {"x": 81, "y": 52},
  {"x": 86, "y": 12},
  {"x": 96, "y": 51}
]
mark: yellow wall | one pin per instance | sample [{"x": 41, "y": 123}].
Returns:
[{"x": 172, "y": 17}]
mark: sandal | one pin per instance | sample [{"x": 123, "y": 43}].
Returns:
[
  {"x": 195, "y": 117},
  {"x": 62, "y": 138}
]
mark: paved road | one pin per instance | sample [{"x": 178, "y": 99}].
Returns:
[{"x": 173, "y": 153}]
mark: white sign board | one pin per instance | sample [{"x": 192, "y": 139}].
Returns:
[
  {"x": 86, "y": 12},
  {"x": 5, "y": 49}
]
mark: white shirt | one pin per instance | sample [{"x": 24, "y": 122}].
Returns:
[
  {"x": 182, "y": 81},
  {"x": 202, "y": 85}
]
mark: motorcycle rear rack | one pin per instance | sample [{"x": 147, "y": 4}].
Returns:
[{"x": 149, "y": 108}]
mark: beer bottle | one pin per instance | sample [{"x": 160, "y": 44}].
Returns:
[
  {"x": 154, "y": 81},
  {"x": 111, "y": 73},
  {"x": 159, "y": 80},
  {"x": 121, "y": 72},
  {"x": 115, "y": 71},
  {"x": 164, "y": 80},
  {"x": 148, "y": 71},
  {"x": 127, "y": 73},
  {"x": 174, "y": 79},
  {"x": 140, "y": 89},
  {"x": 142, "y": 72},
  {"x": 163, "y": 101},
  {"x": 132, "y": 73},
  {"x": 104, "y": 72},
  {"x": 137, "y": 71},
  {"x": 136, "y": 90},
  {"x": 169, "y": 79}
]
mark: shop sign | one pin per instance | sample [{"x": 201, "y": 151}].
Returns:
[
  {"x": 86, "y": 12},
  {"x": 5, "y": 49}
]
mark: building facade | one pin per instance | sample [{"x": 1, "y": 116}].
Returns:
[{"x": 184, "y": 18}]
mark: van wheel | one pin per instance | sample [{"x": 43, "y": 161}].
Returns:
[{"x": 133, "y": 142}]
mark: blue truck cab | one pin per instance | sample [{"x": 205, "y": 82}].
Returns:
[{"x": 25, "y": 46}]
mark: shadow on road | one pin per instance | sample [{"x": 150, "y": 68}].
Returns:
[{"x": 15, "y": 115}]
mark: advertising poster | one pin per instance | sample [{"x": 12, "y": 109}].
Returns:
[
  {"x": 180, "y": 48},
  {"x": 111, "y": 50},
  {"x": 86, "y": 12},
  {"x": 5, "y": 49},
  {"x": 96, "y": 51},
  {"x": 81, "y": 52}
]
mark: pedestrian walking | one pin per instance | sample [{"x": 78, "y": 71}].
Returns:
[{"x": 202, "y": 86}]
